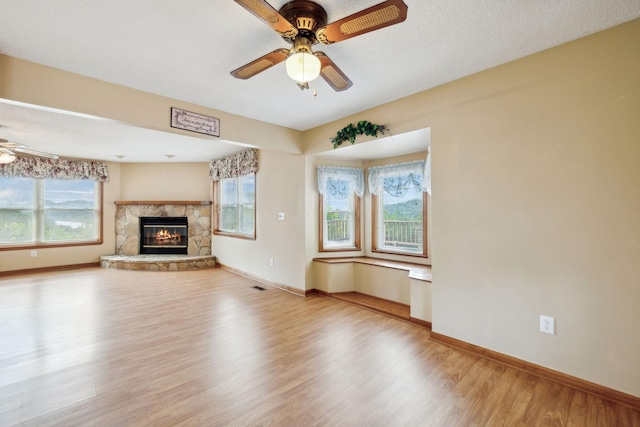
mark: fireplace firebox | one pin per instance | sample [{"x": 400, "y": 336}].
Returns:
[{"x": 163, "y": 235}]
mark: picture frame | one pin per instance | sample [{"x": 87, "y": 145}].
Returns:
[{"x": 194, "y": 122}]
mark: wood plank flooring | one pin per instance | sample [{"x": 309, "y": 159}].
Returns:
[
  {"x": 107, "y": 347},
  {"x": 391, "y": 308}
]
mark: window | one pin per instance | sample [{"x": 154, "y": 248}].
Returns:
[
  {"x": 399, "y": 208},
  {"x": 340, "y": 194},
  {"x": 49, "y": 212},
  {"x": 235, "y": 208}
]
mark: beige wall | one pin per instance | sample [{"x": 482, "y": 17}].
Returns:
[
  {"x": 165, "y": 181},
  {"x": 536, "y": 194},
  {"x": 36, "y": 84},
  {"x": 387, "y": 283},
  {"x": 536, "y": 201},
  {"x": 279, "y": 188}
]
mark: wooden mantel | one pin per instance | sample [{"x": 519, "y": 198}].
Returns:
[{"x": 163, "y": 202}]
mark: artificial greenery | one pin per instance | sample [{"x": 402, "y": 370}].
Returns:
[{"x": 349, "y": 132}]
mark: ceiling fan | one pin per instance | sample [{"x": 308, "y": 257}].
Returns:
[
  {"x": 303, "y": 23},
  {"x": 8, "y": 150}
]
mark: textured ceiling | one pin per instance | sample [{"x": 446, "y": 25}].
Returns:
[{"x": 186, "y": 49}]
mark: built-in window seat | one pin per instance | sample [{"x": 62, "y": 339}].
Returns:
[{"x": 399, "y": 289}]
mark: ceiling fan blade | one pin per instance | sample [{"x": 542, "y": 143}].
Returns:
[
  {"x": 332, "y": 74},
  {"x": 260, "y": 64},
  {"x": 34, "y": 152},
  {"x": 263, "y": 10},
  {"x": 379, "y": 16},
  {"x": 5, "y": 143}
]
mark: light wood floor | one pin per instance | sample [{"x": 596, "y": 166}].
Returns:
[
  {"x": 112, "y": 348},
  {"x": 395, "y": 309}
]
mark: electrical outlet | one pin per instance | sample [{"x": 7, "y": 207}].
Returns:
[
  {"x": 547, "y": 324},
  {"x": 34, "y": 253},
  {"x": 271, "y": 262}
]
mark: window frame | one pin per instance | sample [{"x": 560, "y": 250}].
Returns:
[
  {"x": 39, "y": 216},
  {"x": 357, "y": 202},
  {"x": 375, "y": 209},
  {"x": 217, "y": 192}
]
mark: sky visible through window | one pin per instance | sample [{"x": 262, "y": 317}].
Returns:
[
  {"x": 16, "y": 192},
  {"x": 19, "y": 192},
  {"x": 229, "y": 190}
]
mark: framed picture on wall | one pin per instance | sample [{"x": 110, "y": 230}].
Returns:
[{"x": 194, "y": 122}]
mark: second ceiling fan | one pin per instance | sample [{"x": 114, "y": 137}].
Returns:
[{"x": 303, "y": 23}]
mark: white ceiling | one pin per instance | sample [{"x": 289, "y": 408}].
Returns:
[{"x": 186, "y": 49}]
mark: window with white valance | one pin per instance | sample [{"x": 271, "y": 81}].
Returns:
[
  {"x": 399, "y": 178},
  {"x": 340, "y": 190},
  {"x": 334, "y": 180},
  {"x": 399, "y": 207}
]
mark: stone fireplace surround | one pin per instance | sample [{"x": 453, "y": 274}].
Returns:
[{"x": 127, "y": 224}]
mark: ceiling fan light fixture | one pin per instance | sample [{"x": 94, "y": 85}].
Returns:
[
  {"x": 6, "y": 157},
  {"x": 303, "y": 67}
]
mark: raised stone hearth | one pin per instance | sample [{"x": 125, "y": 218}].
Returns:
[{"x": 158, "y": 262}]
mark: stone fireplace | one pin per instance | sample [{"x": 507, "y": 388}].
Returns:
[{"x": 197, "y": 242}]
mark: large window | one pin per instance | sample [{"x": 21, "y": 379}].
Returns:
[
  {"x": 340, "y": 194},
  {"x": 49, "y": 212},
  {"x": 235, "y": 207},
  {"x": 399, "y": 207}
]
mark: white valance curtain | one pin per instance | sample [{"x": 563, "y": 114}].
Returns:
[
  {"x": 330, "y": 177},
  {"x": 239, "y": 164},
  {"x": 41, "y": 168},
  {"x": 417, "y": 176}
]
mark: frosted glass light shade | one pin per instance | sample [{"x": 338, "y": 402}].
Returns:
[
  {"x": 6, "y": 158},
  {"x": 303, "y": 67}
]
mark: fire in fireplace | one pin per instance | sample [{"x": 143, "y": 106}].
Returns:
[{"x": 163, "y": 235}]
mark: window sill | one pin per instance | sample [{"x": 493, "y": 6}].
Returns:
[
  {"x": 351, "y": 249},
  {"x": 389, "y": 252},
  {"x": 234, "y": 235},
  {"x": 416, "y": 271},
  {"x": 49, "y": 245}
]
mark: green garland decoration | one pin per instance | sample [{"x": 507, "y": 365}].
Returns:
[{"x": 349, "y": 132}]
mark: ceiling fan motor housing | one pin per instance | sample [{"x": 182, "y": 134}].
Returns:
[{"x": 306, "y": 16}]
